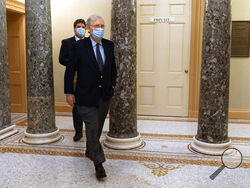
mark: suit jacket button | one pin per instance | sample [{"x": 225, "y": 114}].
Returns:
[
  {"x": 100, "y": 86},
  {"x": 101, "y": 77}
]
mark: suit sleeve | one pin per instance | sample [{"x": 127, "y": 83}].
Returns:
[
  {"x": 113, "y": 69},
  {"x": 64, "y": 56},
  {"x": 70, "y": 71}
]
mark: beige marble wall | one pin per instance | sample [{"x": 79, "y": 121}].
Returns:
[
  {"x": 63, "y": 14},
  {"x": 240, "y": 67}
]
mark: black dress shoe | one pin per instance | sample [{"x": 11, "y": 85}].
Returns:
[
  {"x": 77, "y": 137},
  {"x": 100, "y": 172}
]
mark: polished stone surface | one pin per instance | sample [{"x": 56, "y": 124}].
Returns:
[
  {"x": 40, "y": 88},
  {"x": 123, "y": 111},
  {"x": 44, "y": 171},
  {"x": 163, "y": 161},
  {"x": 215, "y": 70},
  {"x": 5, "y": 117}
]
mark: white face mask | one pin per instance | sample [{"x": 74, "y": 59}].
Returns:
[
  {"x": 98, "y": 33},
  {"x": 80, "y": 32}
]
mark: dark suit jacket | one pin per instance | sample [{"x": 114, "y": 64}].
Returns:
[
  {"x": 65, "y": 51},
  {"x": 92, "y": 85}
]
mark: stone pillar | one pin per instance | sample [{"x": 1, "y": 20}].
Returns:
[
  {"x": 40, "y": 88},
  {"x": 212, "y": 136},
  {"x": 123, "y": 115},
  {"x": 6, "y": 129}
]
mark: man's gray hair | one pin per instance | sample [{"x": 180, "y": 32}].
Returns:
[{"x": 93, "y": 18}]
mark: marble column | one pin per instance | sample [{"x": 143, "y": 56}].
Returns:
[
  {"x": 123, "y": 115},
  {"x": 212, "y": 135},
  {"x": 6, "y": 128},
  {"x": 40, "y": 88}
]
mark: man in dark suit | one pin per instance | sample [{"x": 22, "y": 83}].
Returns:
[
  {"x": 64, "y": 59},
  {"x": 93, "y": 59}
]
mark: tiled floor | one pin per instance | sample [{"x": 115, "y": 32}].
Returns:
[{"x": 164, "y": 160}]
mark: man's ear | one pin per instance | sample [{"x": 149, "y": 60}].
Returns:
[{"x": 88, "y": 29}]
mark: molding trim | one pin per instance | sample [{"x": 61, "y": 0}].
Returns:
[
  {"x": 193, "y": 113},
  {"x": 209, "y": 148},
  {"x": 123, "y": 143},
  {"x": 45, "y": 138},
  {"x": 195, "y": 56},
  {"x": 62, "y": 107},
  {"x": 15, "y": 6},
  {"x": 8, "y": 131},
  {"x": 235, "y": 113}
]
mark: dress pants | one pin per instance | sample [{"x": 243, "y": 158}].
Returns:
[
  {"x": 94, "y": 118},
  {"x": 77, "y": 121}
]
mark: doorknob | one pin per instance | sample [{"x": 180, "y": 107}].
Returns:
[{"x": 186, "y": 71}]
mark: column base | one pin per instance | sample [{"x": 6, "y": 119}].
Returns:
[
  {"x": 208, "y": 148},
  {"x": 8, "y": 131},
  {"x": 123, "y": 143},
  {"x": 45, "y": 138}
]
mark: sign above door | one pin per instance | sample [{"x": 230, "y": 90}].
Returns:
[{"x": 162, "y": 19}]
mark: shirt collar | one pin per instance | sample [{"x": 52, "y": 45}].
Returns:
[
  {"x": 94, "y": 42},
  {"x": 77, "y": 38}
]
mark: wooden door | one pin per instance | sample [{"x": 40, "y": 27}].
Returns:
[
  {"x": 17, "y": 62},
  {"x": 163, "y": 38}
]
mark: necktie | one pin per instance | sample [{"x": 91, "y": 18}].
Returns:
[{"x": 99, "y": 57}]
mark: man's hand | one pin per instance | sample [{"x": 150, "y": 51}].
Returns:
[{"x": 70, "y": 98}]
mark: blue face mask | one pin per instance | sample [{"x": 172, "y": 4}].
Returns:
[
  {"x": 98, "y": 33},
  {"x": 80, "y": 32}
]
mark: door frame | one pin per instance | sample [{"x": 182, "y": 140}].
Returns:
[
  {"x": 15, "y": 6},
  {"x": 19, "y": 8},
  {"x": 185, "y": 78},
  {"x": 195, "y": 57}
]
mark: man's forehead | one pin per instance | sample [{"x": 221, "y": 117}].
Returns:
[
  {"x": 98, "y": 20},
  {"x": 80, "y": 23}
]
